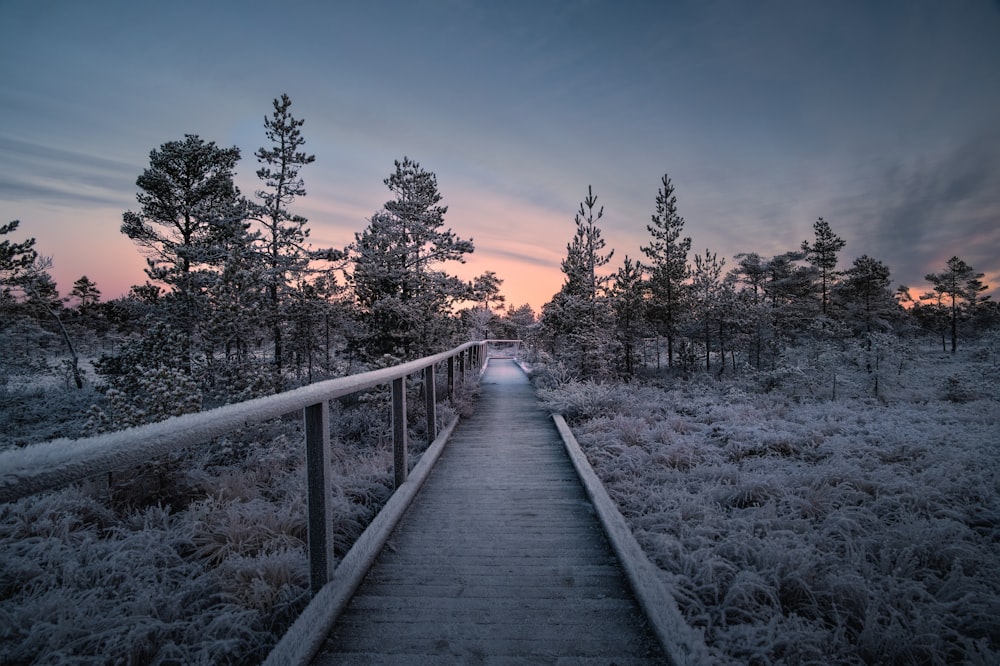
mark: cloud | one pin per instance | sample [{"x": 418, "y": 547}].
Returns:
[
  {"x": 922, "y": 213},
  {"x": 33, "y": 172}
]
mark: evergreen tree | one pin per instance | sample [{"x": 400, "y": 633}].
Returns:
[
  {"x": 628, "y": 299},
  {"x": 518, "y": 322},
  {"x": 959, "y": 283},
  {"x": 753, "y": 272},
  {"x": 283, "y": 234},
  {"x": 585, "y": 253},
  {"x": 86, "y": 292},
  {"x": 822, "y": 254},
  {"x": 706, "y": 290},
  {"x": 865, "y": 295},
  {"x": 190, "y": 210},
  {"x": 577, "y": 319},
  {"x": 15, "y": 258},
  {"x": 404, "y": 298},
  {"x": 233, "y": 321},
  {"x": 790, "y": 289},
  {"x": 486, "y": 293},
  {"x": 43, "y": 297},
  {"x": 667, "y": 254}
]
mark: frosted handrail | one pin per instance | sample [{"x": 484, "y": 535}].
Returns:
[{"x": 54, "y": 464}]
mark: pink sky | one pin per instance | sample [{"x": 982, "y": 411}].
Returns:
[{"x": 879, "y": 117}]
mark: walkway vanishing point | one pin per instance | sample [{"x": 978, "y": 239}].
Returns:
[{"x": 499, "y": 559}]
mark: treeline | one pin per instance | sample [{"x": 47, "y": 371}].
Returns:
[
  {"x": 668, "y": 310},
  {"x": 238, "y": 303}
]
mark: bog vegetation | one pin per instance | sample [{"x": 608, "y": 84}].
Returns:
[{"x": 807, "y": 451}]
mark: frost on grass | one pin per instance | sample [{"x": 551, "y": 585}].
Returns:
[
  {"x": 813, "y": 531},
  {"x": 200, "y": 560},
  {"x": 196, "y": 557}
]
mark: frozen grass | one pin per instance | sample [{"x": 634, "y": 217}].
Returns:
[
  {"x": 196, "y": 559},
  {"x": 805, "y": 531}
]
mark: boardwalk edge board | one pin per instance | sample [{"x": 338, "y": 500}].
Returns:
[
  {"x": 683, "y": 644},
  {"x": 305, "y": 637}
]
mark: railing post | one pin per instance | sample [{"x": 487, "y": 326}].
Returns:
[
  {"x": 461, "y": 366},
  {"x": 451, "y": 378},
  {"x": 399, "y": 429},
  {"x": 320, "y": 536},
  {"x": 430, "y": 403}
]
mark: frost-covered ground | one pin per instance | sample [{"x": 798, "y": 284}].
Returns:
[
  {"x": 195, "y": 559},
  {"x": 800, "y": 531}
]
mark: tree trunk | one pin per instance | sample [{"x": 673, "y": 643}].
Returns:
[{"x": 954, "y": 324}]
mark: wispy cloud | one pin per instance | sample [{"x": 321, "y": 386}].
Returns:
[
  {"x": 36, "y": 173},
  {"x": 928, "y": 211}
]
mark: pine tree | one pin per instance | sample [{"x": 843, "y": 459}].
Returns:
[
  {"x": 190, "y": 209},
  {"x": 628, "y": 298},
  {"x": 518, "y": 322},
  {"x": 42, "y": 296},
  {"x": 404, "y": 298},
  {"x": 865, "y": 294},
  {"x": 86, "y": 292},
  {"x": 283, "y": 233},
  {"x": 577, "y": 319},
  {"x": 822, "y": 254},
  {"x": 15, "y": 258},
  {"x": 485, "y": 292},
  {"x": 667, "y": 253},
  {"x": 706, "y": 287},
  {"x": 584, "y": 254},
  {"x": 959, "y": 282},
  {"x": 752, "y": 271}
]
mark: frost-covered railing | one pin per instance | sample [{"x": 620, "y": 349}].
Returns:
[{"x": 54, "y": 464}]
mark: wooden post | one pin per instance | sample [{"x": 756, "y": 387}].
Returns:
[
  {"x": 461, "y": 367},
  {"x": 430, "y": 403},
  {"x": 320, "y": 534},
  {"x": 399, "y": 429},
  {"x": 451, "y": 377}
]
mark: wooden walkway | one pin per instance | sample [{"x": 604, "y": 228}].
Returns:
[{"x": 499, "y": 560}]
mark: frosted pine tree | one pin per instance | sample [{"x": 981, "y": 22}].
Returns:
[
  {"x": 283, "y": 233},
  {"x": 822, "y": 254},
  {"x": 403, "y": 294},
  {"x": 667, "y": 254},
  {"x": 961, "y": 285},
  {"x": 190, "y": 211},
  {"x": 577, "y": 321}
]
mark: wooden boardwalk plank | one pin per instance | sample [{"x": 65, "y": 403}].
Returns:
[{"x": 500, "y": 558}]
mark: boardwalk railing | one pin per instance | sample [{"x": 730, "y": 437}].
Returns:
[{"x": 52, "y": 465}]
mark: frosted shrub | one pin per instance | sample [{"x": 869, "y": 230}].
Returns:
[
  {"x": 575, "y": 400},
  {"x": 552, "y": 374},
  {"x": 814, "y": 531},
  {"x": 957, "y": 388},
  {"x": 30, "y": 414},
  {"x": 213, "y": 572},
  {"x": 148, "y": 381}
]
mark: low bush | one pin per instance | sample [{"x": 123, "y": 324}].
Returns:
[{"x": 801, "y": 529}]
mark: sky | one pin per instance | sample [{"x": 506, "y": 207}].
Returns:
[{"x": 882, "y": 117}]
